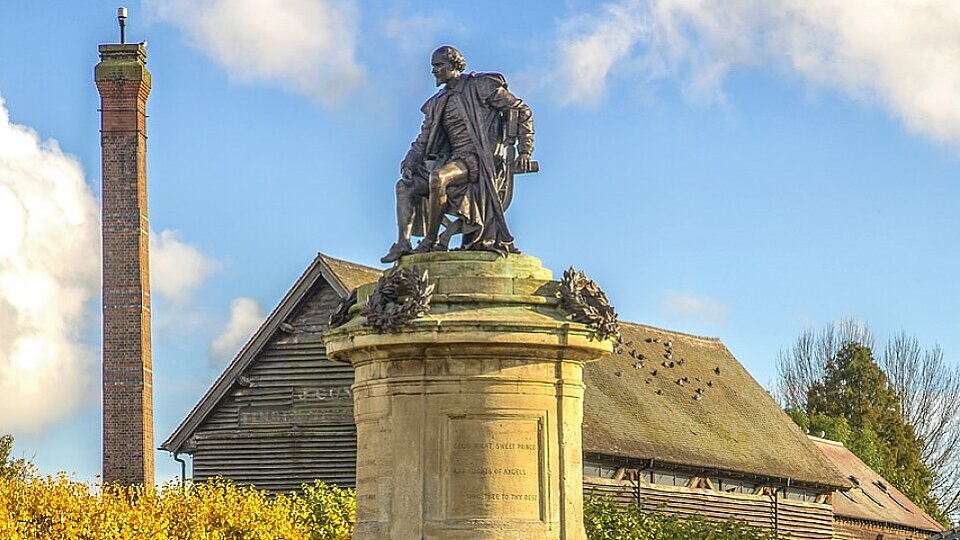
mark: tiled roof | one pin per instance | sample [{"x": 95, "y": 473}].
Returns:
[
  {"x": 351, "y": 275},
  {"x": 872, "y": 498},
  {"x": 642, "y": 404}
]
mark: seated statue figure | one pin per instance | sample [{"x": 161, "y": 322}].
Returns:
[{"x": 459, "y": 171}]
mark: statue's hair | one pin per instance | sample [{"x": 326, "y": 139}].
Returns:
[{"x": 453, "y": 56}]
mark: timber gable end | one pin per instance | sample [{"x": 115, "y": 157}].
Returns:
[
  {"x": 281, "y": 411},
  {"x": 290, "y": 414}
]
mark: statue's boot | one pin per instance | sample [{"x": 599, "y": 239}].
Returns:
[
  {"x": 397, "y": 250},
  {"x": 427, "y": 245}
]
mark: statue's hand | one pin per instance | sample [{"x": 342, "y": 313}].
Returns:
[
  {"x": 523, "y": 162},
  {"x": 406, "y": 174}
]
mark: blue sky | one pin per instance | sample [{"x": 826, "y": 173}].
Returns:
[{"x": 740, "y": 169}]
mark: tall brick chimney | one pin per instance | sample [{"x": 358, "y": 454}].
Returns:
[{"x": 124, "y": 84}]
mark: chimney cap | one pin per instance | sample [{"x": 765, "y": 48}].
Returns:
[{"x": 122, "y": 19}]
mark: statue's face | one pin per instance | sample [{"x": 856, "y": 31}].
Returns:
[{"x": 443, "y": 70}]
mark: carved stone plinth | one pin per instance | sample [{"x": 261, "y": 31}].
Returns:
[{"x": 469, "y": 418}]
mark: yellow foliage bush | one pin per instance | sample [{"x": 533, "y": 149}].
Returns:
[{"x": 34, "y": 507}]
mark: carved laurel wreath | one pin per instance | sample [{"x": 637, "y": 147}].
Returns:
[
  {"x": 342, "y": 314},
  {"x": 587, "y": 304},
  {"x": 389, "y": 309}
]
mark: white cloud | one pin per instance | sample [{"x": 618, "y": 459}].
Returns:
[
  {"x": 245, "y": 317},
  {"x": 177, "y": 268},
  {"x": 306, "y": 46},
  {"x": 49, "y": 270},
  {"x": 902, "y": 54},
  {"x": 418, "y": 33},
  {"x": 691, "y": 305},
  {"x": 592, "y": 45}
]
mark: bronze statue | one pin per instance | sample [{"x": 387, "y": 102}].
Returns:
[{"x": 475, "y": 136}]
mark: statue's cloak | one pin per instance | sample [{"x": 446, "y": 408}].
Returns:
[{"x": 478, "y": 204}]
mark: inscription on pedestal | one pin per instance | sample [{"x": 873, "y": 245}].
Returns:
[
  {"x": 494, "y": 468},
  {"x": 367, "y": 471}
]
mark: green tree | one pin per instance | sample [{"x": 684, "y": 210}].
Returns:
[
  {"x": 10, "y": 467},
  {"x": 854, "y": 403},
  {"x": 821, "y": 425},
  {"x": 604, "y": 520}
]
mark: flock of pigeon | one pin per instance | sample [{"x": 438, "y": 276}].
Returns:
[{"x": 665, "y": 366}]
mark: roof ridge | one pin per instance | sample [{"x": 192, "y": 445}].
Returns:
[
  {"x": 351, "y": 263},
  {"x": 825, "y": 441},
  {"x": 709, "y": 339}
]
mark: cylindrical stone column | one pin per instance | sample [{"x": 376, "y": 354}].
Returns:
[{"x": 469, "y": 418}]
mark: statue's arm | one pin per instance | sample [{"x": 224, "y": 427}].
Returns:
[
  {"x": 415, "y": 153},
  {"x": 502, "y": 100},
  {"x": 417, "y": 148}
]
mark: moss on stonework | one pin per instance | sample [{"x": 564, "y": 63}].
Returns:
[
  {"x": 123, "y": 62},
  {"x": 471, "y": 280},
  {"x": 478, "y": 296},
  {"x": 464, "y": 264}
]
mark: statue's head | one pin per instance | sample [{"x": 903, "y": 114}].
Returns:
[{"x": 447, "y": 63}]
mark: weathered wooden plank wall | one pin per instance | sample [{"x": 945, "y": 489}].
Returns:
[
  {"x": 799, "y": 520},
  {"x": 289, "y": 419}
]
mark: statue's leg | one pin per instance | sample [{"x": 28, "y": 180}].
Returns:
[
  {"x": 407, "y": 195},
  {"x": 404, "y": 210},
  {"x": 451, "y": 174}
]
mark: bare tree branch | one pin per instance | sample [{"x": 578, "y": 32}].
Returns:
[
  {"x": 805, "y": 362},
  {"x": 928, "y": 388},
  {"x": 929, "y": 392}
]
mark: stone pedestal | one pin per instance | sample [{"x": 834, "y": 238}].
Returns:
[{"x": 468, "y": 419}]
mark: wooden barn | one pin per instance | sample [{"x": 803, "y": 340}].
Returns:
[
  {"x": 733, "y": 452},
  {"x": 673, "y": 423}
]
